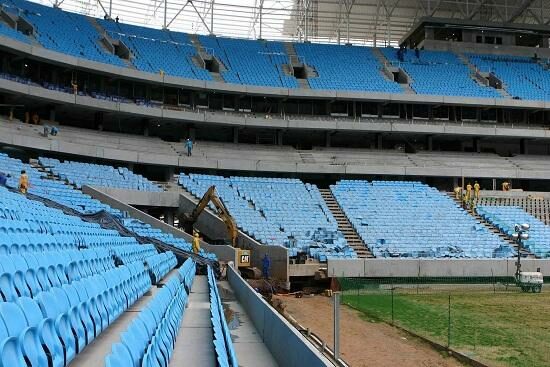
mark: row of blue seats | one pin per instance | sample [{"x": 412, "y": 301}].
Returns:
[
  {"x": 80, "y": 174},
  {"x": 223, "y": 344},
  {"x": 131, "y": 253},
  {"x": 149, "y": 339},
  {"x": 59, "y": 323},
  {"x": 29, "y": 274},
  {"x": 161, "y": 264}
]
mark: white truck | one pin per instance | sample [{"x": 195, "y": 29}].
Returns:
[{"x": 530, "y": 281}]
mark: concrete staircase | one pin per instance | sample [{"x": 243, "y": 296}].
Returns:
[
  {"x": 202, "y": 55},
  {"x": 387, "y": 71},
  {"x": 524, "y": 253},
  {"x": 295, "y": 61},
  {"x": 344, "y": 225}
]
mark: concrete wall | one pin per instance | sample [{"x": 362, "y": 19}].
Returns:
[
  {"x": 213, "y": 227},
  {"x": 165, "y": 199},
  {"x": 285, "y": 343},
  {"x": 382, "y": 268},
  {"x": 224, "y": 253}
]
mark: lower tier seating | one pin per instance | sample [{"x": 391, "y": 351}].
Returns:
[
  {"x": 411, "y": 219},
  {"x": 149, "y": 340},
  {"x": 506, "y": 217},
  {"x": 222, "y": 338}
]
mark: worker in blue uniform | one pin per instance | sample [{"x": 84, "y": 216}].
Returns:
[{"x": 266, "y": 265}]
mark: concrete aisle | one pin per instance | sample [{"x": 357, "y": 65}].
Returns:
[
  {"x": 249, "y": 346},
  {"x": 194, "y": 343}
]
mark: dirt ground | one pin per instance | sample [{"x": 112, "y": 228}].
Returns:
[{"x": 363, "y": 342}]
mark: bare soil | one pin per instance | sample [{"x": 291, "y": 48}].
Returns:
[{"x": 364, "y": 342}]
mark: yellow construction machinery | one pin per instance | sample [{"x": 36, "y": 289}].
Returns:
[{"x": 210, "y": 196}]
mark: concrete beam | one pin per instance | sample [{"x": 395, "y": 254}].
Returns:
[{"x": 224, "y": 253}]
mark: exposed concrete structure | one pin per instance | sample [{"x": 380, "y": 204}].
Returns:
[
  {"x": 242, "y": 157},
  {"x": 285, "y": 343},
  {"x": 224, "y": 118},
  {"x": 224, "y": 253},
  {"x": 386, "y": 268},
  {"x": 208, "y": 223}
]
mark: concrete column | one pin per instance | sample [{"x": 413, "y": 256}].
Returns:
[
  {"x": 378, "y": 141},
  {"x": 169, "y": 173},
  {"x": 235, "y": 135},
  {"x": 279, "y": 137},
  {"x": 169, "y": 217},
  {"x": 327, "y": 138},
  {"x": 192, "y": 132},
  {"x": 478, "y": 114},
  {"x": 455, "y": 182},
  {"x": 52, "y": 114},
  {"x": 429, "y": 143},
  {"x": 146, "y": 131},
  {"x": 477, "y": 145},
  {"x": 523, "y": 146}
]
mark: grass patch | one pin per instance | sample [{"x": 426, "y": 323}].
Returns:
[{"x": 506, "y": 329}]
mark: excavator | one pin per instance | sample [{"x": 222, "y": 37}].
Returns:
[{"x": 210, "y": 196}]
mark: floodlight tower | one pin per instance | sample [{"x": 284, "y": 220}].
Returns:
[{"x": 521, "y": 234}]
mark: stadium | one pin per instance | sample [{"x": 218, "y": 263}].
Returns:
[{"x": 274, "y": 183}]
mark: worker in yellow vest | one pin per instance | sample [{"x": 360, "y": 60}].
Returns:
[
  {"x": 23, "y": 182},
  {"x": 477, "y": 188},
  {"x": 196, "y": 243}
]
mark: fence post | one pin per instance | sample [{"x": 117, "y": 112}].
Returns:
[
  {"x": 336, "y": 325},
  {"x": 392, "y": 318},
  {"x": 449, "y": 324}
]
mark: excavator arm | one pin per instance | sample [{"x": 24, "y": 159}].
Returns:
[{"x": 221, "y": 210}]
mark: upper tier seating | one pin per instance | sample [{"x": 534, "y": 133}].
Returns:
[
  {"x": 522, "y": 77},
  {"x": 154, "y": 50},
  {"x": 440, "y": 73},
  {"x": 345, "y": 68},
  {"x": 250, "y": 62},
  {"x": 506, "y": 217},
  {"x": 411, "y": 219},
  {"x": 284, "y": 212},
  {"x": 80, "y": 174},
  {"x": 63, "y": 31},
  {"x": 254, "y": 62}
]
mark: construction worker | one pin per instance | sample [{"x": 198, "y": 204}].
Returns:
[
  {"x": 189, "y": 146},
  {"x": 477, "y": 188},
  {"x": 468, "y": 192},
  {"x": 23, "y": 182},
  {"x": 266, "y": 265},
  {"x": 196, "y": 243},
  {"x": 505, "y": 186},
  {"x": 457, "y": 191},
  {"x": 3, "y": 178}
]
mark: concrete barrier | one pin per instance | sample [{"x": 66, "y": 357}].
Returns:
[
  {"x": 285, "y": 343},
  {"x": 390, "y": 268},
  {"x": 224, "y": 253}
]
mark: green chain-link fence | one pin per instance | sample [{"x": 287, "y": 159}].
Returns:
[{"x": 491, "y": 321}]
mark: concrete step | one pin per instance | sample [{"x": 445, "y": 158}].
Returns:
[
  {"x": 494, "y": 229},
  {"x": 344, "y": 226}
]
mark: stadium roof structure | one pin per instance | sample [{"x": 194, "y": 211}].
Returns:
[{"x": 380, "y": 22}]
